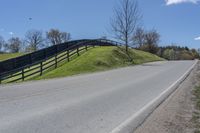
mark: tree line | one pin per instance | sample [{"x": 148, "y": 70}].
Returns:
[
  {"x": 33, "y": 41},
  {"x": 175, "y": 52}
]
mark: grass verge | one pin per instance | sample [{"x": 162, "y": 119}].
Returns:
[{"x": 100, "y": 59}]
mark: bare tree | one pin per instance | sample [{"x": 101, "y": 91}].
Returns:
[
  {"x": 55, "y": 36},
  {"x": 125, "y": 21},
  {"x": 2, "y": 43},
  {"x": 34, "y": 39},
  {"x": 152, "y": 39},
  {"x": 139, "y": 37},
  {"x": 14, "y": 45}
]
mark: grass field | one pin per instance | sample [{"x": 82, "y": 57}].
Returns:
[
  {"x": 9, "y": 55},
  {"x": 100, "y": 59}
]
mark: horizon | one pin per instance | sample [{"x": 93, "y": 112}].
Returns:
[{"x": 175, "y": 20}]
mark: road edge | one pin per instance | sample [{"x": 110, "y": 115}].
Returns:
[{"x": 130, "y": 125}]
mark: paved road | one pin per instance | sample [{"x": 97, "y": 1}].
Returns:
[{"x": 93, "y": 103}]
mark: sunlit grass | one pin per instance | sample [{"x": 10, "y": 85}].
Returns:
[
  {"x": 100, "y": 59},
  {"x": 9, "y": 56}
]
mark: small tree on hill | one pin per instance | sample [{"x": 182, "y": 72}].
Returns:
[
  {"x": 14, "y": 45},
  {"x": 125, "y": 20},
  {"x": 34, "y": 39},
  {"x": 54, "y": 36},
  {"x": 139, "y": 37},
  {"x": 152, "y": 39}
]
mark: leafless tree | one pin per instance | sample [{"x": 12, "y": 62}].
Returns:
[
  {"x": 152, "y": 39},
  {"x": 14, "y": 44},
  {"x": 55, "y": 36},
  {"x": 139, "y": 37},
  {"x": 125, "y": 21},
  {"x": 34, "y": 39}
]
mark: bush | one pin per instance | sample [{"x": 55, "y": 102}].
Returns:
[{"x": 185, "y": 55}]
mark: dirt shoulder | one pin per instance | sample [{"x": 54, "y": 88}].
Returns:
[{"x": 176, "y": 114}]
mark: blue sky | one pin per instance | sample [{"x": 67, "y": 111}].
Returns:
[{"x": 176, "y": 20}]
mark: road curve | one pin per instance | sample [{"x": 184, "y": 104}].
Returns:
[{"x": 91, "y": 103}]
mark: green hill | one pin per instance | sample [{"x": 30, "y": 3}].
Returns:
[
  {"x": 100, "y": 59},
  {"x": 9, "y": 56}
]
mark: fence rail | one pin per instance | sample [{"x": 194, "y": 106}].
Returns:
[{"x": 26, "y": 66}]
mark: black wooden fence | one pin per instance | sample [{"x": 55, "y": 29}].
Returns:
[{"x": 22, "y": 67}]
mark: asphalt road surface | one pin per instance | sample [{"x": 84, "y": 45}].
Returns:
[{"x": 91, "y": 103}]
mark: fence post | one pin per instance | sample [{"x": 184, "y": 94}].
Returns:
[
  {"x": 68, "y": 55},
  {"x": 77, "y": 51},
  {"x": 56, "y": 62},
  {"x": 30, "y": 58},
  {"x": 41, "y": 69},
  {"x": 45, "y": 55},
  {"x": 14, "y": 62},
  {"x": 23, "y": 74},
  {"x": 0, "y": 78},
  {"x": 86, "y": 47}
]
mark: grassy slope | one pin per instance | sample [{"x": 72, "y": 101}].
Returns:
[
  {"x": 8, "y": 56},
  {"x": 99, "y": 59}
]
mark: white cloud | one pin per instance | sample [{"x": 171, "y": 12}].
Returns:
[
  {"x": 171, "y": 2},
  {"x": 197, "y": 39}
]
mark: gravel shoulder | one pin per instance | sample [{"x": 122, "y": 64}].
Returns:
[{"x": 175, "y": 115}]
